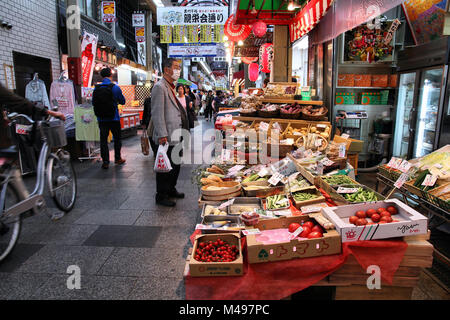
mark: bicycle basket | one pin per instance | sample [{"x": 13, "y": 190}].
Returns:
[{"x": 55, "y": 133}]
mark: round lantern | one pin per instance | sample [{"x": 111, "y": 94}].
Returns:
[
  {"x": 248, "y": 60},
  {"x": 266, "y": 57},
  {"x": 236, "y": 32},
  {"x": 253, "y": 71},
  {"x": 259, "y": 28}
]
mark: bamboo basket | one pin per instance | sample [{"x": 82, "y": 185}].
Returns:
[
  {"x": 292, "y": 116},
  {"x": 314, "y": 117},
  {"x": 229, "y": 188},
  {"x": 268, "y": 114}
]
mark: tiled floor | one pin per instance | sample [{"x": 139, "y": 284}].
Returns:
[{"x": 126, "y": 246}]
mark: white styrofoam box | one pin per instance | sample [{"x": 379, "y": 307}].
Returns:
[{"x": 410, "y": 222}]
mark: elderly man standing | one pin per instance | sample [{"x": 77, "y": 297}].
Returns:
[{"x": 168, "y": 115}]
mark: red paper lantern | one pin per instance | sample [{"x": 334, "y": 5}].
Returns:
[
  {"x": 236, "y": 32},
  {"x": 253, "y": 71},
  {"x": 266, "y": 57},
  {"x": 259, "y": 29},
  {"x": 248, "y": 60}
]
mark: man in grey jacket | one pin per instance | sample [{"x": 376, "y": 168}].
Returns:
[{"x": 168, "y": 115}]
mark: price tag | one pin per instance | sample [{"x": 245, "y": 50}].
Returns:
[
  {"x": 263, "y": 126},
  {"x": 404, "y": 166},
  {"x": 346, "y": 190},
  {"x": 284, "y": 212},
  {"x": 236, "y": 169},
  {"x": 318, "y": 143},
  {"x": 296, "y": 133},
  {"x": 283, "y": 201},
  {"x": 327, "y": 162},
  {"x": 226, "y": 155},
  {"x": 345, "y": 136},
  {"x": 276, "y": 126},
  {"x": 263, "y": 172},
  {"x": 246, "y": 172},
  {"x": 226, "y": 204},
  {"x": 321, "y": 126},
  {"x": 310, "y": 209},
  {"x": 276, "y": 178},
  {"x": 251, "y": 232},
  {"x": 295, "y": 234},
  {"x": 391, "y": 162},
  {"x": 401, "y": 180},
  {"x": 342, "y": 151},
  {"x": 320, "y": 168},
  {"x": 429, "y": 180},
  {"x": 397, "y": 163}
]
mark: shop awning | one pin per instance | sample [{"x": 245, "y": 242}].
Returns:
[
  {"x": 273, "y": 12},
  {"x": 308, "y": 18},
  {"x": 184, "y": 82}
]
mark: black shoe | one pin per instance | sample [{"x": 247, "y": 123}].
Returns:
[
  {"x": 176, "y": 194},
  {"x": 165, "y": 202},
  {"x": 105, "y": 165}
]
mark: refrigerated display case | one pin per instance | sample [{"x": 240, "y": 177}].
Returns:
[{"x": 422, "y": 100}]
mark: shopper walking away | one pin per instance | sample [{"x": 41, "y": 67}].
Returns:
[
  {"x": 168, "y": 115},
  {"x": 203, "y": 109},
  {"x": 209, "y": 106},
  {"x": 147, "y": 115},
  {"x": 105, "y": 98}
]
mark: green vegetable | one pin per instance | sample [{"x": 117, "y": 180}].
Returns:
[
  {"x": 338, "y": 180},
  {"x": 272, "y": 202},
  {"x": 303, "y": 196},
  {"x": 251, "y": 178},
  {"x": 361, "y": 196}
]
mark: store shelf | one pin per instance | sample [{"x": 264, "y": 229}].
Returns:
[
  {"x": 309, "y": 102},
  {"x": 364, "y": 105},
  {"x": 377, "y": 88}
]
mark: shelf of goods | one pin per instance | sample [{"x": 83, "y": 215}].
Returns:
[{"x": 291, "y": 101}]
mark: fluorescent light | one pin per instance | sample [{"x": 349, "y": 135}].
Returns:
[
  {"x": 291, "y": 6},
  {"x": 158, "y": 3}
]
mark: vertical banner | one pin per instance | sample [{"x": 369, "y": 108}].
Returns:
[
  {"x": 141, "y": 50},
  {"x": 165, "y": 34},
  {"x": 218, "y": 33},
  {"x": 178, "y": 34},
  {"x": 108, "y": 11},
  {"x": 205, "y": 34},
  {"x": 140, "y": 34},
  {"x": 138, "y": 19},
  {"x": 88, "y": 50},
  {"x": 192, "y": 34}
]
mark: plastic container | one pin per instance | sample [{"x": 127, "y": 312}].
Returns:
[{"x": 250, "y": 219}]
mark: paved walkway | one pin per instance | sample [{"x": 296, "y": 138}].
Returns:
[{"x": 126, "y": 246}]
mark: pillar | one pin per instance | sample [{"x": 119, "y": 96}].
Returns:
[
  {"x": 73, "y": 35},
  {"x": 282, "y": 55}
]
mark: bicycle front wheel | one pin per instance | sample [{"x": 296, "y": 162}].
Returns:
[
  {"x": 62, "y": 181},
  {"x": 9, "y": 228}
]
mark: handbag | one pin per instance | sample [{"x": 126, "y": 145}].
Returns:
[{"x": 145, "y": 144}]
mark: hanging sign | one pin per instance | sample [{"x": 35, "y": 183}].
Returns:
[
  {"x": 191, "y": 15},
  {"x": 141, "y": 53},
  {"x": 166, "y": 34},
  {"x": 178, "y": 34},
  {"x": 192, "y": 50},
  {"x": 218, "y": 33},
  {"x": 140, "y": 34},
  {"x": 108, "y": 11},
  {"x": 192, "y": 34},
  {"x": 205, "y": 34},
  {"x": 88, "y": 50},
  {"x": 138, "y": 19},
  {"x": 390, "y": 34}
]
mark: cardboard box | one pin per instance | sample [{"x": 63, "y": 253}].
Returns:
[
  {"x": 258, "y": 252},
  {"x": 312, "y": 190},
  {"x": 215, "y": 269},
  {"x": 339, "y": 199},
  {"x": 410, "y": 222},
  {"x": 321, "y": 183},
  {"x": 353, "y": 145}
]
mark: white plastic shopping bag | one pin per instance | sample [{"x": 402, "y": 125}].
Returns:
[{"x": 162, "y": 162}]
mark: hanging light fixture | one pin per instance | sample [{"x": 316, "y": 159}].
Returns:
[{"x": 291, "y": 6}]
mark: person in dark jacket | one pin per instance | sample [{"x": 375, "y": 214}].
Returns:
[
  {"x": 146, "y": 117},
  {"x": 209, "y": 106}
]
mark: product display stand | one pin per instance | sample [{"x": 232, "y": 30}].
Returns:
[{"x": 93, "y": 152}]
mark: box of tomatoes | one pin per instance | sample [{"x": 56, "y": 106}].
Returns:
[
  {"x": 289, "y": 238},
  {"x": 217, "y": 255},
  {"x": 376, "y": 220}
]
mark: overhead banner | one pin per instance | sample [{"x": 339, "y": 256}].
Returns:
[
  {"x": 192, "y": 34},
  {"x": 218, "y": 33},
  {"x": 165, "y": 34},
  {"x": 140, "y": 34},
  {"x": 138, "y": 19},
  {"x": 192, "y": 50},
  {"x": 308, "y": 18},
  {"x": 205, "y": 34},
  {"x": 191, "y": 15},
  {"x": 88, "y": 50},
  {"x": 108, "y": 11},
  {"x": 178, "y": 34}
]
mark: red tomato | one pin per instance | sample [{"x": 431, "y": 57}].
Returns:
[
  {"x": 353, "y": 219},
  {"x": 375, "y": 217},
  {"x": 308, "y": 224},
  {"x": 380, "y": 210},
  {"x": 317, "y": 228},
  {"x": 293, "y": 226},
  {"x": 305, "y": 232},
  {"x": 385, "y": 214},
  {"x": 361, "y": 214},
  {"x": 386, "y": 218},
  {"x": 314, "y": 235},
  {"x": 370, "y": 212},
  {"x": 361, "y": 222},
  {"x": 392, "y": 210}
]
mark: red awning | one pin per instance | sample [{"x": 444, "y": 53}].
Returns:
[{"x": 308, "y": 18}]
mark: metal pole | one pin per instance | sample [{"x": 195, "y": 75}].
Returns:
[
  {"x": 73, "y": 22},
  {"x": 149, "y": 33}
]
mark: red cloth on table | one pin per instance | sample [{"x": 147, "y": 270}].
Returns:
[{"x": 277, "y": 280}]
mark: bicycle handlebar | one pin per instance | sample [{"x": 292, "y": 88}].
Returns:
[{"x": 15, "y": 115}]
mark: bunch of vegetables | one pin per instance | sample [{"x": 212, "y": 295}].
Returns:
[
  {"x": 297, "y": 184},
  {"x": 291, "y": 109},
  {"x": 420, "y": 178},
  {"x": 252, "y": 178},
  {"x": 337, "y": 180},
  {"x": 216, "y": 251},
  {"x": 277, "y": 202},
  {"x": 304, "y": 196},
  {"x": 361, "y": 196},
  {"x": 381, "y": 215}
]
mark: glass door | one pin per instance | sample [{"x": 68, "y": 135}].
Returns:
[
  {"x": 427, "y": 111},
  {"x": 405, "y": 103}
]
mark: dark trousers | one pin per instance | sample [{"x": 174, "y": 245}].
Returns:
[
  {"x": 208, "y": 112},
  {"x": 153, "y": 145},
  {"x": 105, "y": 127},
  {"x": 167, "y": 181}
]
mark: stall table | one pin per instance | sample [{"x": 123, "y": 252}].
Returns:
[{"x": 129, "y": 124}]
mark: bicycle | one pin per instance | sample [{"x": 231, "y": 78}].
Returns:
[{"x": 53, "y": 165}]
